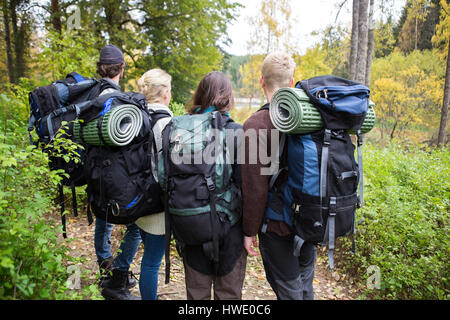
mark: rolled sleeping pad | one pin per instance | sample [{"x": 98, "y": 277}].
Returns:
[
  {"x": 292, "y": 112},
  {"x": 119, "y": 126}
]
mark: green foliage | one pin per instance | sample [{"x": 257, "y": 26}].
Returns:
[
  {"x": 183, "y": 39},
  {"x": 73, "y": 51},
  {"x": 384, "y": 39},
  {"x": 33, "y": 261},
  {"x": 407, "y": 90},
  {"x": 405, "y": 228},
  {"x": 232, "y": 68},
  {"x": 312, "y": 64},
  {"x": 418, "y": 25},
  {"x": 329, "y": 56},
  {"x": 178, "y": 109}
]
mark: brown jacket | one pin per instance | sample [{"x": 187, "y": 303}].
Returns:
[{"x": 255, "y": 186}]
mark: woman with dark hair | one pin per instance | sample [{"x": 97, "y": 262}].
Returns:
[{"x": 214, "y": 93}]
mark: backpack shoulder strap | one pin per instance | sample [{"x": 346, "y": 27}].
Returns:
[
  {"x": 264, "y": 107},
  {"x": 156, "y": 115},
  {"x": 281, "y": 148}
]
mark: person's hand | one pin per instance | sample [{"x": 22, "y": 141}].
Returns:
[{"x": 248, "y": 243}]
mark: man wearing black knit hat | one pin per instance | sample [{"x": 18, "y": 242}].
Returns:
[
  {"x": 111, "y": 67},
  {"x": 111, "y": 63}
]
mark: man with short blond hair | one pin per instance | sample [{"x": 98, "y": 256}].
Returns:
[
  {"x": 291, "y": 277},
  {"x": 277, "y": 71}
]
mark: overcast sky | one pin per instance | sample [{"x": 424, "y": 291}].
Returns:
[{"x": 311, "y": 15}]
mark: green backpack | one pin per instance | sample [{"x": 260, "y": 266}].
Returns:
[{"x": 195, "y": 172}]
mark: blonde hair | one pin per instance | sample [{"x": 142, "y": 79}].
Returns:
[
  {"x": 278, "y": 70},
  {"x": 154, "y": 84}
]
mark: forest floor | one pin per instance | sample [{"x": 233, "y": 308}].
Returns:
[{"x": 328, "y": 285}]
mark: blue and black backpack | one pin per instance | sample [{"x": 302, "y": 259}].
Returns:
[
  {"x": 63, "y": 100},
  {"x": 316, "y": 189}
]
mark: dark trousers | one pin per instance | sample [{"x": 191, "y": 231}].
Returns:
[
  {"x": 290, "y": 277},
  {"x": 227, "y": 287}
]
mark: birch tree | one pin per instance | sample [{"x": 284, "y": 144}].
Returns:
[
  {"x": 371, "y": 43},
  {"x": 361, "y": 60},
  {"x": 354, "y": 40}
]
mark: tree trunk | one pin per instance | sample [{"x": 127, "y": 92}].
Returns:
[
  {"x": 444, "y": 112},
  {"x": 354, "y": 41},
  {"x": 362, "y": 41},
  {"x": 9, "y": 58},
  {"x": 393, "y": 129},
  {"x": 415, "y": 43},
  {"x": 56, "y": 16},
  {"x": 370, "y": 44},
  {"x": 20, "y": 37}
]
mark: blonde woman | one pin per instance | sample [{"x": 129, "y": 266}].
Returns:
[{"x": 155, "y": 84}]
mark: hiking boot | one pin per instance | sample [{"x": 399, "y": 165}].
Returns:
[
  {"x": 131, "y": 280},
  {"x": 116, "y": 287},
  {"x": 105, "y": 274}
]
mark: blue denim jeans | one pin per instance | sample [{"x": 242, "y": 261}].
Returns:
[
  {"x": 154, "y": 246},
  {"x": 127, "y": 249}
]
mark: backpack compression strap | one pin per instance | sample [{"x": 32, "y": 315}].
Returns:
[
  {"x": 165, "y": 147},
  {"x": 360, "y": 168},
  {"x": 331, "y": 222},
  {"x": 213, "y": 191},
  {"x": 76, "y": 76},
  {"x": 215, "y": 241},
  {"x": 330, "y": 228}
]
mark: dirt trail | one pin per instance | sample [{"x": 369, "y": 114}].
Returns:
[{"x": 327, "y": 284}]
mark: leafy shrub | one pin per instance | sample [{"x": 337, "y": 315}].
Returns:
[
  {"x": 405, "y": 223},
  {"x": 33, "y": 261},
  {"x": 178, "y": 109}
]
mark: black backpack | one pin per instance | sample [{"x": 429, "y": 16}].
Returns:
[
  {"x": 316, "y": 190},
  {"x": 120, "y": 183},
  {"x": 63, "y": 100}
]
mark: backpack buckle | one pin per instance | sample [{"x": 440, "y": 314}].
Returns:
[
  {"x": 327, "y": 137},
  {"x": 114, "y": 206},
  {"x": 319, "y": 94},
  {"x": 296, "y": 207},
  {"x": 210, "y": 184},
  {"x": 359, "y": 138},
  {"x": 332, "y": 211}
]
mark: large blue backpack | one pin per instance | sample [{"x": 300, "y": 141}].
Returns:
[{"x": 316, "y": 189}]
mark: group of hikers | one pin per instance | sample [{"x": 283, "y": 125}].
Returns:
[{"x": 290, "y": 276}]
